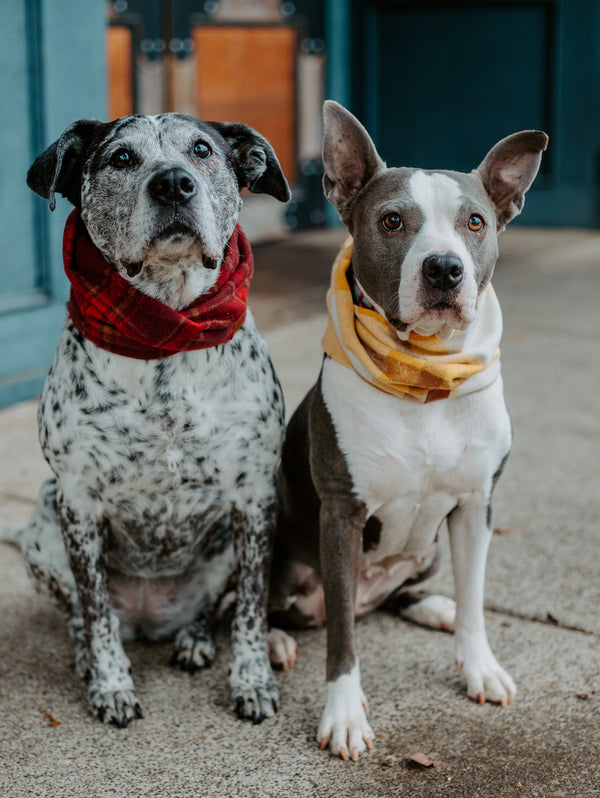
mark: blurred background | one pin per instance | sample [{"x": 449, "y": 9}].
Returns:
[{"x": 436, "y": 83}]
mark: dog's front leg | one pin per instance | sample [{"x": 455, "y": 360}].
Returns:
[
  {"x": 344, "y": 723},
  {"x": 111, "y": 691},
  {"x": 470, "y": 536},
  {"x": 253, "y": 688}
]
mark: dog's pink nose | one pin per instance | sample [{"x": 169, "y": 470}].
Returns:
[
  {"x": 173, "y": 187},
  {"x": 444, "y": 272}
]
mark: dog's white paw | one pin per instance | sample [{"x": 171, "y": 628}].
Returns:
[
  {"x": 344, "y": 726},
  {"x": 194, "y": 648},
  {"x": 437, "y": 612},
  {"x": 253, "y": 689},
  {"x": 115, "y": 706},
  {"x": 486, "y": 679},
  {"x": 282, "y": 648},
  {"x": 256, "y": 702}
]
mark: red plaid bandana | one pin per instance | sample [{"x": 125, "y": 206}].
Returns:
[{"x": 116, "y": 316}]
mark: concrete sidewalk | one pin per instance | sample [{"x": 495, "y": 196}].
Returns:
[{"x": 543, "y": 594}]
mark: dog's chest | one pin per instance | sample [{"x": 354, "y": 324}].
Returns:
[
  {"x": 412, "y": 464},
  {"x": 161, "y": 449}
]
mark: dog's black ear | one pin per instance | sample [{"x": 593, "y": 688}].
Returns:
[
  {"x": 349, "y": 156},
  {"x": 59, "y": 167},
  {"x": 509, "y": 169},
  {"x": 256, "y": 164}
]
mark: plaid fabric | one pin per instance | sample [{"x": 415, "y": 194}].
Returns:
[
  {"x": 116, "y": 316},
  {"x": 423, "y": 369}
]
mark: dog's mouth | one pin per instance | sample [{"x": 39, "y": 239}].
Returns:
[
  {"x": 175, "y": 229},
  {"x": 438, "y": 317},
  {"x": 178, "y": 234},
  {"x": 443, "y": 306}
]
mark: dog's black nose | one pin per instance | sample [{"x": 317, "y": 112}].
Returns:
[
  {"x": 444, "y": 272},
  {"x": 173, "y": 187}
]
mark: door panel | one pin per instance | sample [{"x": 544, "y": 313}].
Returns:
[
  {"x": 472, "y": 76},
  {"x": 439, "y": 82},
  {"x": 22, "y": 277},
  {"x": 40, "y": 94}
]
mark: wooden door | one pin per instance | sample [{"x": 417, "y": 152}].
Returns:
[{"x": 254, "y": 84}]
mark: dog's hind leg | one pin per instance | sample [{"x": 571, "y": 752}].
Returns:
[
  {"x": 203, "y": 592},
  {"x": 283, "y": 650},
  {"x": 420, "y": 607},
  {"x": 43, "y": 549},
  {"x": 194, "y": 645},
  {"x": 434, "y": 611}
]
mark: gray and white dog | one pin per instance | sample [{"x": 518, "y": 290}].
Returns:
[
  {"x": 164, "y": 469},
  {"x": 367, "y": 477}
]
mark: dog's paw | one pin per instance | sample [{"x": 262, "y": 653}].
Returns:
[
  {"x": 254, "y": 691},
  {"x": 436, "y": 612},
  {"x": 486, "y": 679},
  {"x": 344, "y": 726},
  {"x": 194, "y": 648},
  {"x": 283, "y": 651},
  {"x": 115, "y": 706},
  {"x": 256, "y": 703}
]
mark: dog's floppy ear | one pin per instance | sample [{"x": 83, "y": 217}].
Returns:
[
  {"x": 59, "y": 167},
  {"x": 256, "y": 164},
  {"x": 509, "y": 169},
  {"x": 349, "y": 156}
]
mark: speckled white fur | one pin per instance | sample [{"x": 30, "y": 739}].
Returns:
[{"x": 164, "y": 485}]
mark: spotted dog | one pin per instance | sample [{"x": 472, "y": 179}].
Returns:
[
  {"x": 407, "y": 426},
  {"x": 164, "y": 467}
]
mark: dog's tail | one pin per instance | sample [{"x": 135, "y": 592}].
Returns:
[{"x": 12, "y": 534}]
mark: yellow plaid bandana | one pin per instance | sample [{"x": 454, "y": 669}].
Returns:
[{"x": 422, "y": 368}]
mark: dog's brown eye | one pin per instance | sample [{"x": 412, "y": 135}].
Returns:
[
  {"x": 475, "y": 223},
  {"x": 202, "y": 150},
  {"x": 392, "y": 222},
  {"x": 122, "y": 158}
]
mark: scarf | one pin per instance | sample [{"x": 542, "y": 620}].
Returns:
[
  {"x": 118, "y": 317},
  {"x": 422, "y": 368}
]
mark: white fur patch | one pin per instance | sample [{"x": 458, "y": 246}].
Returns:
[
  {"x": 436, "y": 612},
  {"x": 411, "y": 464},
  {"x": 438, "y": 197},
  {"x": 344, "y": 722},
  {"x": 282, "y": 648}
]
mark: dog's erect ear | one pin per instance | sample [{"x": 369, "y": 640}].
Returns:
[
  {"x": 59, "y": 167},
  {"x": 349, "y": 156},
  {"x": 509, "y": 169},
  {"x": 256, "y": 164}
]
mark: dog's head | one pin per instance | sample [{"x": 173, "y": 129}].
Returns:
[
  {"x": 158, "y": 190},
  {"x": 425, "y": 242}
]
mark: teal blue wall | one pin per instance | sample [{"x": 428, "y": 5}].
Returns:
[{"x": 52, "y": 71}]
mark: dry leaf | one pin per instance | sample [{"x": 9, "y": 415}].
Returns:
[
  {"x": 50, "y": 720},
  {"x": 503, "y": 530},
  {"x": 583, "y": 696},
  {"x": 421, "y": 759}
]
